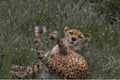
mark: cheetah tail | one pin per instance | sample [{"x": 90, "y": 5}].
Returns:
[
  {"x": 22, "y": 71},
  {"x": 38, "y": 30}
]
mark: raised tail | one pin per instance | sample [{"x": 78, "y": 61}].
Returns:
[
  {"x": 38, "y": 30},
  {"x": 25, "y": 71}
]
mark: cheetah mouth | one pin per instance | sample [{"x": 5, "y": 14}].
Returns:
[{"x": 73, "y": 43}]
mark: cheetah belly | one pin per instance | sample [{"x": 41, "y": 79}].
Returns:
[{"x": 71, "y": 65}]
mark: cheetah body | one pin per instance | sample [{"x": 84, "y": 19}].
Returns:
[
  {"x": 66, "y": 61},
  {"x": 71, "y": 65}
]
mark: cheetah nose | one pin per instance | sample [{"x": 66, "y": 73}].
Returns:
[{"x": 73, "y": 39}]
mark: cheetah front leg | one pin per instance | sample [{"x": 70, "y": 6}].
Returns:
[{"x": 62, "y": 47}]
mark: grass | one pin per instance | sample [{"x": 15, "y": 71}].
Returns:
[{"x": 17, "y": 21}]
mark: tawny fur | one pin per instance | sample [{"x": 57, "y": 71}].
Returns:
[{"x": 65, "y": 59}]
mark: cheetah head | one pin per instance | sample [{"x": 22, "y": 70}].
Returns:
[{"x": 74, "y": 39}]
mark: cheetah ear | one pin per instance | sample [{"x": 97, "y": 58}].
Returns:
[
  {"x": 86, "y": 39},
  {"x": 66, "y": 28}
]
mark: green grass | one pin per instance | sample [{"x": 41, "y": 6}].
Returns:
[{"x": 17, "y": 21}]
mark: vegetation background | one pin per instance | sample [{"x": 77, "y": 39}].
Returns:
[{"x": 97, "y": 19}]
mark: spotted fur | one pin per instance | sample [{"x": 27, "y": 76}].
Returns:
[{"x": 65, "y": 59}]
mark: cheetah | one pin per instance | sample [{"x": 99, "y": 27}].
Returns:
[{"x": 64, "y": 59}]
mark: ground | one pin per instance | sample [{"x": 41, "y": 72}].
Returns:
[{"x": 17, "y": 21}]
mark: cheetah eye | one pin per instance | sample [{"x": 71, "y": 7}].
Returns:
[
  {"x": 71, "y": 33},
  {"x": 79, "y": 37}
]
